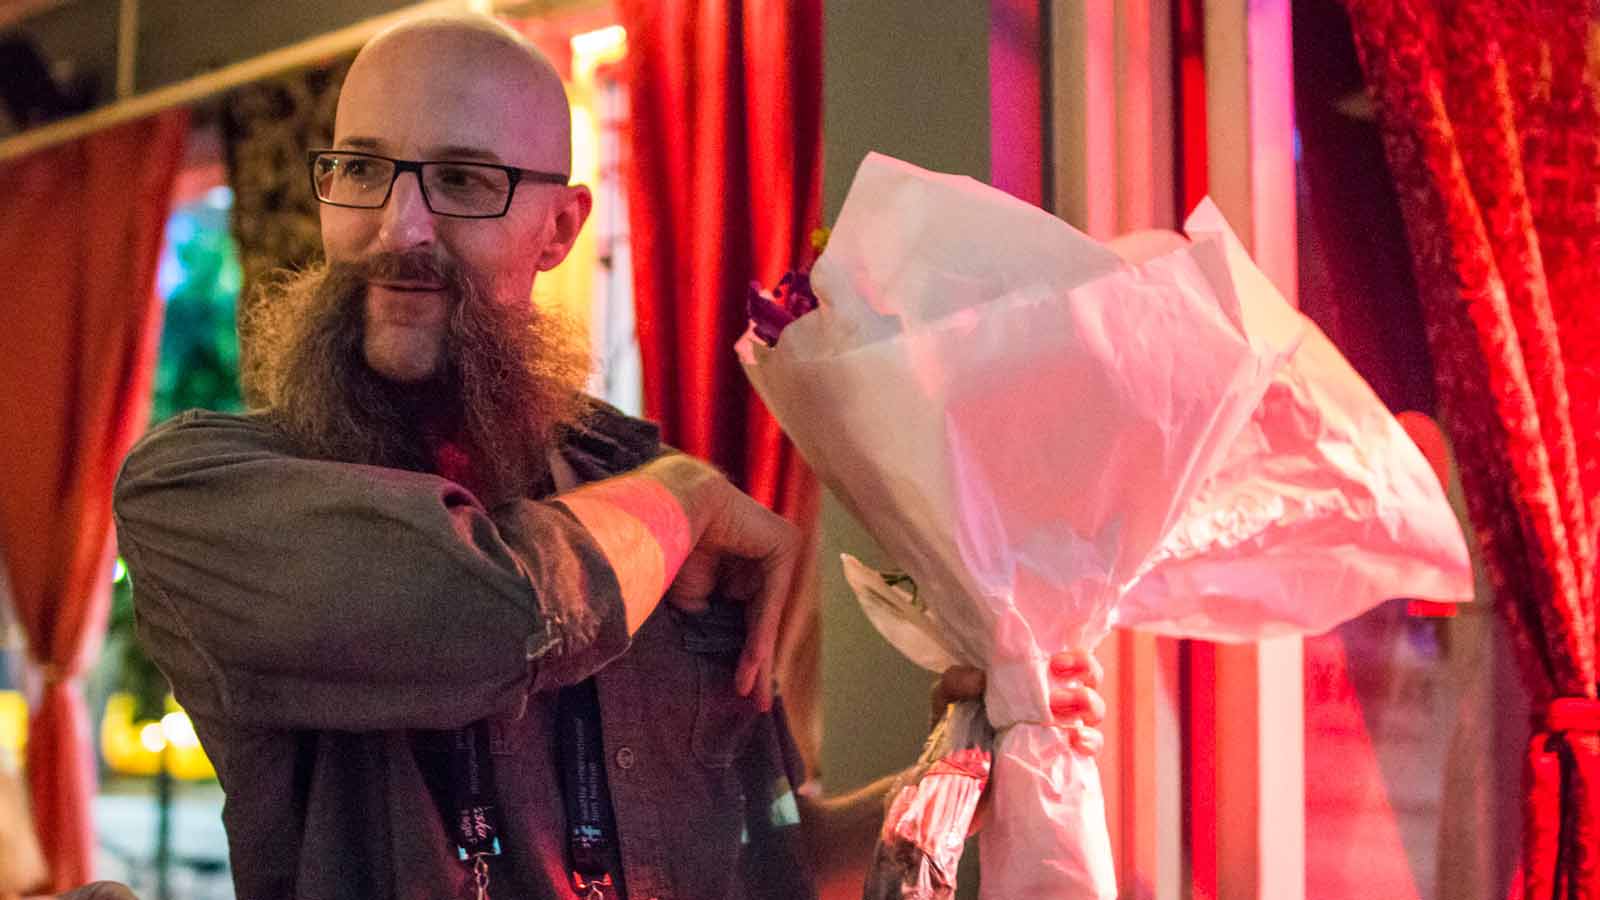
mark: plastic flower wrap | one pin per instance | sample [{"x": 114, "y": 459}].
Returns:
[{"x": 1052, "y": 442}]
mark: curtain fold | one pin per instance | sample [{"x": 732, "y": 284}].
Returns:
[
  {"x": 82, "y": 225},
  {"x": 724, "y": 174},
  {"x": 1491, "y": 123}
]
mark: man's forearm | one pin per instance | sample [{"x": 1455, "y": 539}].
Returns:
[
  {"x": 840, "y": 833},
  {"x": 643, "y": 531},
  {"x": 649, "y": 520}
]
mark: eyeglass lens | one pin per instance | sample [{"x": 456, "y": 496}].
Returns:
[{"x": 449, "y": 188}]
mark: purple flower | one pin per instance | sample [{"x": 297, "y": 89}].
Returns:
[{"x": 770, "y": 313}]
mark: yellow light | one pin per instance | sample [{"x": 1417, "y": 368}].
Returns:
[
  {"x": 13, "y": 722},
  {"x": 144, "y": 747},
  {"x": 585, "y": 145},
  {"x": 602, "y": 45},
  {"x": 151, "y": 738},
  {"x": 179, "y": 731}
]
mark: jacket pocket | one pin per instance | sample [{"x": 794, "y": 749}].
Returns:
[{"x": 723, "y": 719}]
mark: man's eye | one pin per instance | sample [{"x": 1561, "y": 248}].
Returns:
[{"x": 462, "y": 178}]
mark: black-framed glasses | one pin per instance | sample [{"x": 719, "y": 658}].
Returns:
[{"x": 466, "y": 190}]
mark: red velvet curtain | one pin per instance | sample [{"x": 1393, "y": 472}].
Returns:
[
  {"x": 1491, "y": 123},
  {"x": 724, "y": 187},
  {"x": 80, "y": 232}
]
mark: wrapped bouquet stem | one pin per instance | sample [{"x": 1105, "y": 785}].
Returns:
[
  {"x": 931, "y": 808},
  {"x": 1052, "y": 442}
]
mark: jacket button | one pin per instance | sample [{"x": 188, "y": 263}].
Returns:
[{"x": 625, "y": 758}]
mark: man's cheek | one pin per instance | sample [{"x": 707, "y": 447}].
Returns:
[{"x": 341, "y": 234}]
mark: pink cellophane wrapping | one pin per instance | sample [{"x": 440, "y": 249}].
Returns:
[
  {"x": 1052, "y": 442},
  {"x": 930, "y": 811}
]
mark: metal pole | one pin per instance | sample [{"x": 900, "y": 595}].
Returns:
[{"x": 163, "y": 855}]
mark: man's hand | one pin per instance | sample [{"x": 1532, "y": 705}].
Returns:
[
  {"x": 676, "y": 529},
  {"x": 741, "y": 551},
  {"x": 1075, "y": 699},
  {"x": 841, "y": 831}
]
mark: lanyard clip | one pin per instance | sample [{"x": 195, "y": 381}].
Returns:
[
  {"x": 480, "y": 877},
  {"x": 591, "y": 888}
]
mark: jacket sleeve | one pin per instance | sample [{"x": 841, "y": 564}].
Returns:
[{"x": 279, "y": 591}]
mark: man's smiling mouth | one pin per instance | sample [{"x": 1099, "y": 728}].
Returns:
[{"x": 419, "y": 286}]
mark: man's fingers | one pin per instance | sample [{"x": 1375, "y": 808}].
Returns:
[
  {"x": 741, "y": 551},
  {"x": 956, "y": 684},
  {"x": 739, "y": 579},
  {"x": 1074, "y": 675},
  {"x": 766, "y": 683},
  {"x": 745, "y": 528},
  {"x": 1078, "y": 664},
  {"x": 1087, "y": 741},
  {"x": 761, "y": 638},
  {"x": 1077, "y": 702},
  {"x": 760, "y": 550},
  {"x": 691, "y": 590},
  {"x": 754, "y": 676},
  {"x": 779, "y": 542}
]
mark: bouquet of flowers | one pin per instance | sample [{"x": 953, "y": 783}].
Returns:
[{"x": 1052, "y": 442}]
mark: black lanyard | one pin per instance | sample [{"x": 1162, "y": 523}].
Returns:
[
  {"x": 592, "y": 853},
  {"x": 474, "y": 820}
]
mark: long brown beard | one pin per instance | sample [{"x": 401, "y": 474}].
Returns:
[{"x": 510, "y": 382}]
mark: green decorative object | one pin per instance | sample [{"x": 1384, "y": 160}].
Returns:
[{"x": 198, "y": 366}]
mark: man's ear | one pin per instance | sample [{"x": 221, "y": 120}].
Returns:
[{"x": 570, "y": 214}]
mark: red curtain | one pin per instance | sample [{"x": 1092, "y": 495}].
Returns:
[
  {"x": 1492, "y": 131},
  {"x": 80, "y": 233},
  {"x": 724, "y": 187}
]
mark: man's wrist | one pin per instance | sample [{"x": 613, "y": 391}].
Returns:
[
  {"x": 693, "y": 483},
  {"x": 644, "y": 532}
]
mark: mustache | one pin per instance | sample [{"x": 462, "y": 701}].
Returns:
[{"x": 410, "y": 265}]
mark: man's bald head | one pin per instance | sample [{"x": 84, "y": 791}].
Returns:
[
  {"x": 486, "y": 68},
  {"x": 473, "y": 98}
]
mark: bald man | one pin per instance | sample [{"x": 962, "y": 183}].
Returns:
[{"x": 446, "y": 627}]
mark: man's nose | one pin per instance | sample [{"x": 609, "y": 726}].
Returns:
[{"x": 407, "y": 222}]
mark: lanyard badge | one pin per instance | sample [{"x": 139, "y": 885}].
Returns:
[
  {"x": 474, "y": 820},
  {"x": 591, "y": 821}
]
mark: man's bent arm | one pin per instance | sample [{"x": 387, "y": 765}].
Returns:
[
  {"x": 640, "y": 520},
  {"x": 277, "y": 591},
  {"x": 841, "y": 833}
]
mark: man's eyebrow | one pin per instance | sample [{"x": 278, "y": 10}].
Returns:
[
  {"x": 372, "y": 145},
  {"x": 452, "y": 152},
  {"x": 462, "y": 153}
]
